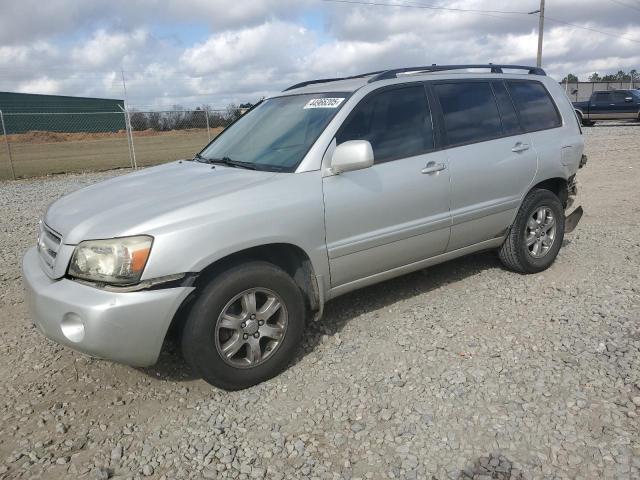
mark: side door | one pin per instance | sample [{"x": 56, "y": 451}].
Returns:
[
  {"x": 601, "y": 106},
  {"x": 391, "y": 214},
  {"x": 491, "y": 159},
  {"x": 624, "y": 104}
]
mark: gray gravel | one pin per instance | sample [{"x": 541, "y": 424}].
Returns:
[{"x": 461, "y": 371}]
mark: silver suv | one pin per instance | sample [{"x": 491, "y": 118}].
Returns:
[{"x": 327, "y": 187}]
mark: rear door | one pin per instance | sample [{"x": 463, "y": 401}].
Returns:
[
  {"x": 490, "y": 158},
  {"x": 540, "y": 118},
  {"x": 391, "y": 214},
  {"x": 625, "y": 105}
]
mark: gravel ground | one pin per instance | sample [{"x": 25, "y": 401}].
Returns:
[{"x": 464, "y": 370}]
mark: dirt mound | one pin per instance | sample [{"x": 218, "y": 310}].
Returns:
[{"x": 37, "y": 136}]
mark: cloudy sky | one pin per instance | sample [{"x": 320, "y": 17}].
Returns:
[{"x": 194, "y": 52}]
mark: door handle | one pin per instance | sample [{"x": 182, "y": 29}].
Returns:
[
  {"x": 520, "y": 147},
  {"x": 433, "y": 167}
]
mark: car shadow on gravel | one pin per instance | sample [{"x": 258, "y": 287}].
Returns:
[
  {"x": 340, "y": 311},
  {"x": 493, "y": 466},
  {"x": 172, "y": 367}
]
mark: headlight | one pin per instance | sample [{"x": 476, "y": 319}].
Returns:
[{"x": 118, "y": 261}]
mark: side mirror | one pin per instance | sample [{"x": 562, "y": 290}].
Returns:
[
  {"x": 628, "y": 99},
  {"x": 351, "y": 155}
]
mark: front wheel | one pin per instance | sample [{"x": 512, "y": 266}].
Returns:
[
  {"x": 245, "y": 326},
  {"x": 583, "y": 121},
  {"x": 536, "y": 235}
]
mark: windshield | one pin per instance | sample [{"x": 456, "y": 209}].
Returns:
[{"x": 277, "y": 134}]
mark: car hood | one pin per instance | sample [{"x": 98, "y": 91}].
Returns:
[{"x": 145, "y": 201}]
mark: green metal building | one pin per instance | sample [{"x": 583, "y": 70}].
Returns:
[{"x": 25, "y": 112}]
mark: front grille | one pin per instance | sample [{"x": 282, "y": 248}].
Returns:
[{"x": 48, "y": 246}]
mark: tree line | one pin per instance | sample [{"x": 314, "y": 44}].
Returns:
[
  {"x": 621, "y": 76},
  {"x": 178, "y": 118}
]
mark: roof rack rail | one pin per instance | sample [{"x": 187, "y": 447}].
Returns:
[
  {"x": 495, "y": 68},
  {"x": 387, "y": 74},
  {"x": 327, "y": 80}
]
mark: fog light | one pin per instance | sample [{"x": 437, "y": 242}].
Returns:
[{"x": 72, "y": 327}]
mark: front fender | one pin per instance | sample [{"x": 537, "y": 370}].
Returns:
[{"x": 288, "y": 210}]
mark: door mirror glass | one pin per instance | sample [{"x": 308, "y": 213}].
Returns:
[{"x": 352, "y": 155}]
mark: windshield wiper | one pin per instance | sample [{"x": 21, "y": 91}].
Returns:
[
  {"x": 200, "y": 158},
  {"x": 231, "y": 163}
]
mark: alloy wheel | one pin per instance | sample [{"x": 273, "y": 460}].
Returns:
[
  {"x": 251, "y": 327},
  {"x": 540, "y": 232}
]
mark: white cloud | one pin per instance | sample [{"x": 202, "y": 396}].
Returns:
[
  {"x": 267, "y": 46},
  {"x": 225, "y": 14},
  {"x": 42, "y": 85},
  {"x": 28, "y": 20},
  {"x": 106, "y": 49},
  {"x": 255, "y": 48}
]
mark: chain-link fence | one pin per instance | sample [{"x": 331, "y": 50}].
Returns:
[
  {"x": 580, "y": 91},
  {"x": 35, "y": 144}
]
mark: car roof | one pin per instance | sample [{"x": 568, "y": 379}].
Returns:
[{"x": 353, "y": 83}]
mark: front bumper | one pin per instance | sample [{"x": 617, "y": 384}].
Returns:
[{"x": 124, "y": 327}]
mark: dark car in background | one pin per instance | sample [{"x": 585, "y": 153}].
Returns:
[{"x": 609, "y": 105}]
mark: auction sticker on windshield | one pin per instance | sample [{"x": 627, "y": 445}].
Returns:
[{"x": 324, "y": 103}]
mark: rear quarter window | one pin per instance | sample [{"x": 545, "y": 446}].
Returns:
[{"x": 534, "y": 105}]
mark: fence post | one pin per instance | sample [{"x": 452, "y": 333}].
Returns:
[
  {"x": 126, "y": 129},
  {"x": 129, "y": 130},
  {"x": 133, "y": 149},
  {"x": 206, "y": 115},
  {"x": 6, "y": 141}
]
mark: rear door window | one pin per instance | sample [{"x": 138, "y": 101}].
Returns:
[
  {"x": 396, "y": 122},
  {"x": 618, "y": 97},
  {"x": 535, "y": 106},
  {"x": 470, "y": 112}
]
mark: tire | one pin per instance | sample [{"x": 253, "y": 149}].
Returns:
[
  {"x": 585, "y": 123},
  {"x": 517, "y": 252},
  {"x": 207, "y": 334}
]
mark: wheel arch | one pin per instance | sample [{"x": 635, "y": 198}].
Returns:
[
  {"x": 291, "y": 258},
  {"x": 557, "y": 185}
]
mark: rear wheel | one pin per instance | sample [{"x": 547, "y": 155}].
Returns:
[
  {"x": 536, "y": 235},
  {"x": 245, "y": 326}
]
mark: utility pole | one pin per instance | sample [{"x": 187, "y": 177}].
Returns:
[
  {"x": 127, "y": 124},
  {"x": 124, "y": 88},
  {"x": 540, "y": 31}
]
